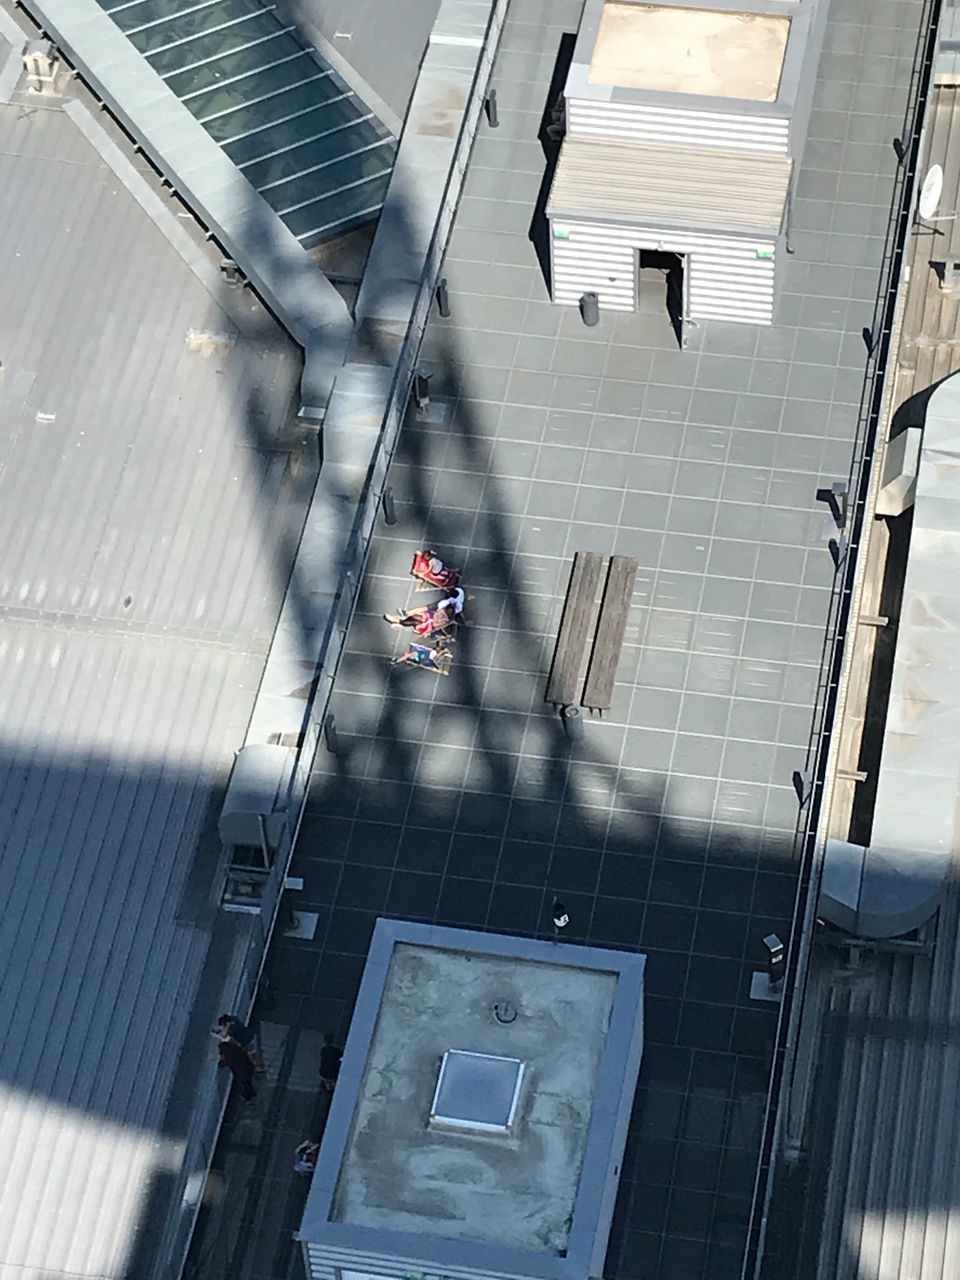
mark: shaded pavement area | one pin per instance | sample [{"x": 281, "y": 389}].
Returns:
[{"x": 671, "y": 828}]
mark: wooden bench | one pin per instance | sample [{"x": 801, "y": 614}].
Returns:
[
  {"x": 578, "y": 611},
  {"x": 611, "y": 628}
]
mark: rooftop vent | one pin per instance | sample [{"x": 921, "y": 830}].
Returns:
[
  {"x": 41, "y": 64},
  {"x": 476, "y": 1092}
]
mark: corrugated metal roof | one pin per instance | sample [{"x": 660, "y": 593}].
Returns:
[
  {"x": 147, "y": 521},
  {"x": 695, "y": 186},
  {"x": 884, "y": 1155},
  {"x": 884, "y": 1124}
]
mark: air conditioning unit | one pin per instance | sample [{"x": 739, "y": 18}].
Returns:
[
  {"x": 41, "y": 63},
  {"x": 244, "y": 890}
]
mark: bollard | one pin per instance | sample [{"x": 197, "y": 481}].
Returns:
[
  {"x": 560, "y": 919},
  {"x": 776, "y": 958},
  {"x": 839, "y": 493},
  {"x": 572, "y": 723},
  {"x": 490, "y": 107},
  {"x": 389, "y": 507},
  {"x": 421, "y": 389},
  {"x": 443, "y": 298},
  {"x": 330, "y": 735},
  {"x": 590, "y": 309}
]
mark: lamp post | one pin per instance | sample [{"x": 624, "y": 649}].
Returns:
[{"x": 560, "y": 918}]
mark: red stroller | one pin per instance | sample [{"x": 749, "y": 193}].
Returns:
[{"x": 432, "y": 572}]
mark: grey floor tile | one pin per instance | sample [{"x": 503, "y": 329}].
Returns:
[
  {"x": 653, "y": 475},
  {"x": 585, "y": 359},
  {"x": 706, "y": 442},
  {"x": 615, "y": 434},
  {"x": 597, "y": 505},
  {"x": 559, "y": 463},
  {"x": 718, "y": 635},
  {"x": 531, "y": 352},
  {"x": 725, "y": 597},
  {"x": 628, "y": 363},
  {"x": 693, "y": 515},
  {"x": 696, "y": 479},
  {"x": 707, "y": 673},
  {"x": 603, "y": 467},
  {"x": 521, "y": 422},
  {"x": 697, "y": 754},
  {"x": 566, "y": 427},
  {"x": 666, "y": 403},
  {"x": 575, "y": 392},
  {"x": 704, "y": 713},
  {"x": 675, "y": 590},
  {"x": 718, "y": 408},
  {"x": 619, "y": 396},
  {"x": 590, "y": 537},
  {"x": 686, "y": 553},
  {"x": 741, "y": 521}
]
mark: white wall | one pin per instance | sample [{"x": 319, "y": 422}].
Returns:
[{"x": 726, "y": 279}]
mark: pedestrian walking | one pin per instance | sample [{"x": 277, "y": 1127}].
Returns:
[
  {"x": 229, "y": 1027},
  {"x": 330, "y": 1057},
  {"x": 238, "y": 1063}
]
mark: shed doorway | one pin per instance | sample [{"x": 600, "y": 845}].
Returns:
[{"x": 662, "y": 287}]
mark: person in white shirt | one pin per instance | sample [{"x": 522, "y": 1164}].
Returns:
[{"x": 454, "y": 603}]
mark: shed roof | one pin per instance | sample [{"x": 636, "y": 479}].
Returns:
[
  {"x": 692, "y": 186},
  {"x": 690, "y": 50}
]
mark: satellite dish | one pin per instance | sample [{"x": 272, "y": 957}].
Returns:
[{"x": 931, "y": 192}]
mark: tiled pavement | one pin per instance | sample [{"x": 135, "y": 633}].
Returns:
[{"x": 671, "y": 828}]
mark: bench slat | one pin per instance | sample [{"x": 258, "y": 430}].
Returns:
[
  {"x": 578, "y": 610},
  {"x": 611, "y": 628}
]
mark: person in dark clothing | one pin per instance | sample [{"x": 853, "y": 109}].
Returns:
[
  {"x": 229, "y": 1027},
  {"x": 237, "y": 1061},
  {"x": 330, "y": 1057}
]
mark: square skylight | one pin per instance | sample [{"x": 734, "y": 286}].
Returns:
[{"x": 476, "y": 1092}]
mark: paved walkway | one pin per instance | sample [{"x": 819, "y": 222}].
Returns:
[{"x": 671, "y": 829}]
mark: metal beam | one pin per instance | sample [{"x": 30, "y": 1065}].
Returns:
[
  {"x": 225, "y": 53},
  {"x": 222, "y": 84},
  {"x": 210, "y": 31},
  {"x": 315, "y": 168},
  {"x": 272, "y": 124},
  {"x": 170, "y": 17},
  {"x": 328, "y": 195},
  {"x": 253, "y": 102}
]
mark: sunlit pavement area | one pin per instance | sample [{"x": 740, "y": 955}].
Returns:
[{"x": 670, "y": 828}]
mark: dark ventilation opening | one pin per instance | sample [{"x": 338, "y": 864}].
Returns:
[{"x": 660, "y": 287}]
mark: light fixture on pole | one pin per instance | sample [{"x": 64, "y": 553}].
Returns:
[
  {"x": 560, "y": 918},
  {"x": 776, "y": 958},
  {"x": 767, "y": 983}
]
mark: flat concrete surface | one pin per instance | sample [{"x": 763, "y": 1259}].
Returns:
[
  {"x": 518, "y": 1191},
  {"x": 671, "y": 829},
  {"x": 688, "y": 50}
]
